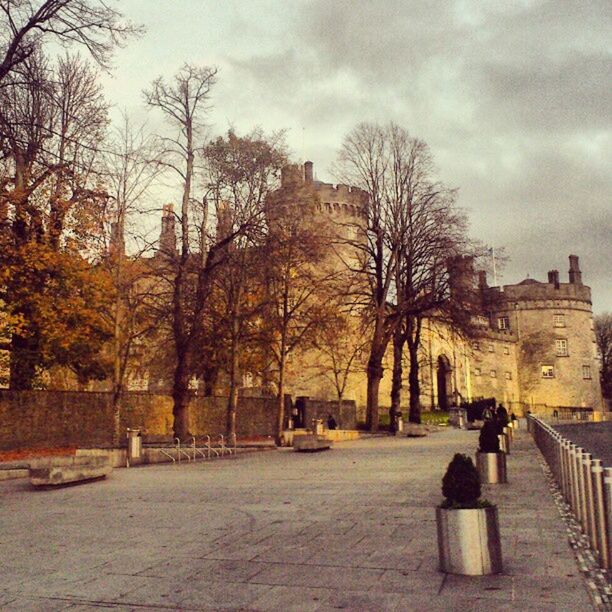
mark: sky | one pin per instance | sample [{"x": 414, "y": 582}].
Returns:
[{"x": 514, "y": 99}]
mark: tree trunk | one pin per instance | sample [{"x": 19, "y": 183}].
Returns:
[
  {"x": 375, "y": 374},
  {"x": 280, "y": 421},
  {"x": 413, "y": 339},
  {"x": 180, "y": 395},
  {"x": 232, "y": 401},
  {"x": 396, "y": 387},
  {"x": 23, "y": 360}
]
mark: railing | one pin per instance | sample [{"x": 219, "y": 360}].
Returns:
[{"x": 585, "y": 483}]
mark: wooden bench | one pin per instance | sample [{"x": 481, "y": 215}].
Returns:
[{"x": 57, "y": 471}]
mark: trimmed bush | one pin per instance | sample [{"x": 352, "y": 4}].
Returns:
[
  {"x": 461, "y": 484},
  {"x": 501, "y": 416},
  {"x": 488, "y": 440}
]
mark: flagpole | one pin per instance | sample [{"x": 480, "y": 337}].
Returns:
[{"x": 494, "y": 269}]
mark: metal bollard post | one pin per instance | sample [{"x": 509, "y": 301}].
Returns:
[
  {"x": 608, "y": 508},
  {"x": 572, "y": 468},
  {"x": 588, "y": 497},
  {"x": 601, "y": 545},
  {"x": 581, "y": 496},
  {"x": 564, "y": 476}
]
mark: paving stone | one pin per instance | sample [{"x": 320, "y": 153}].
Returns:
[
  {"x": 350, "y": 529},
  {"x": 318, "y": 576},
  {"x": 292, "y": 599}
]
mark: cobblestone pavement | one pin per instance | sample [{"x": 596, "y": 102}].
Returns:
[{"x": 352, "y": 528}]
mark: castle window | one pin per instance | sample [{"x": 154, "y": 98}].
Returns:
[
  {"x": 506, "y": 350},
  {"x": 548, "y": 371},
  {"x": 508, "y": 375},
  {"x": 586, "y": 372},
  {"x": 476, "y": 371},
  {"x": 559, "y": 320},
  {"x": 493, "y": 374},
  {"x": 561, "y": 347},
  {"x": 491, "y": 348},
  {"x": 503, "y": 323}
]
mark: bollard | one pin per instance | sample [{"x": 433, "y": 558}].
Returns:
[
  {"x": 580, "y": 478},
  {"x": 608, "y": 507},
  {"x": 600, "y": 513},
  {"x": 572, "y": 472},
  {"x": 587, "y": 460},
  {"x": 563, "y": 452}
]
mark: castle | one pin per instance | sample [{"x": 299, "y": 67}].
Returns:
[{"x": 533, "y": 345}]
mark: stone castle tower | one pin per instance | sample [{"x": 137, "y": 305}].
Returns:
[{"x": 550, "y": 325}]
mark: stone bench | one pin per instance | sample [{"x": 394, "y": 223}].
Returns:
[
  {"x": 68, "y": 470},
  {"x": 310, "y": 443}
]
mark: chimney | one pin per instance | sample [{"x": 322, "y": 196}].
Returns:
[
  {"x": 482, "y": 279},
  {"x": 575, "y": 275},
  {"x": 167, "y": 238},
  {"x": 553, "y": 278},
  {"x": 308, "y": 172}
]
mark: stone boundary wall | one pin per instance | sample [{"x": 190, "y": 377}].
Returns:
[
  {"x": 31, "y": 419},
  {"x": 344, "y": 414}
]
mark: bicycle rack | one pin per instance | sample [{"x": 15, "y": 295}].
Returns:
[{"x": 193, "y": 452}]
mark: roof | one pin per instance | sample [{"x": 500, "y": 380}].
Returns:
[{"x": 530, "y": 281}]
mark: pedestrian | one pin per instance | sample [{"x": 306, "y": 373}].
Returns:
[{"x": 331, "y": 422}]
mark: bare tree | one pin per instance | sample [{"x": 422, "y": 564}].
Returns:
[
  {"x": 342, "y": 344},
  {"x": 25, "y": 25},
  {"x": 129, "y": 173},
  {"x": 183, "y": 103},
  {"x": 241, "y": 172},
  {"x": 603, "y": 337},
  {"x": 369, "y": 160}
]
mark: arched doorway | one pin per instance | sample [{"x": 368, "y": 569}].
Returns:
[{"x": 443, "y": 374}]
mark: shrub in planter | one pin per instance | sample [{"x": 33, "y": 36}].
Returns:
[
  {"x": 488, "y": 440},
  {"x": 490, "y": 460},
  {"x": 468, "y": 531},
  {"x": 501, "y": 416},
  {"x": 461, "y": 484}
]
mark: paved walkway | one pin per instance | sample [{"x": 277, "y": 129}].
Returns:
[{"x": 350, "y": 529}]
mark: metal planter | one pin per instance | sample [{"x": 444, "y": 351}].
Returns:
[
  {"x": 468, "y": 541},
  {"x": 492, "y": 468}
]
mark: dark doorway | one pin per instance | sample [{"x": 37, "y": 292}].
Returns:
[{"x": 443, "y": 373}]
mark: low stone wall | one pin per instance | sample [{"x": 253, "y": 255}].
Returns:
[
  {"x": 345, "y": 414},
  {"x": 35, "y": 419}
]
